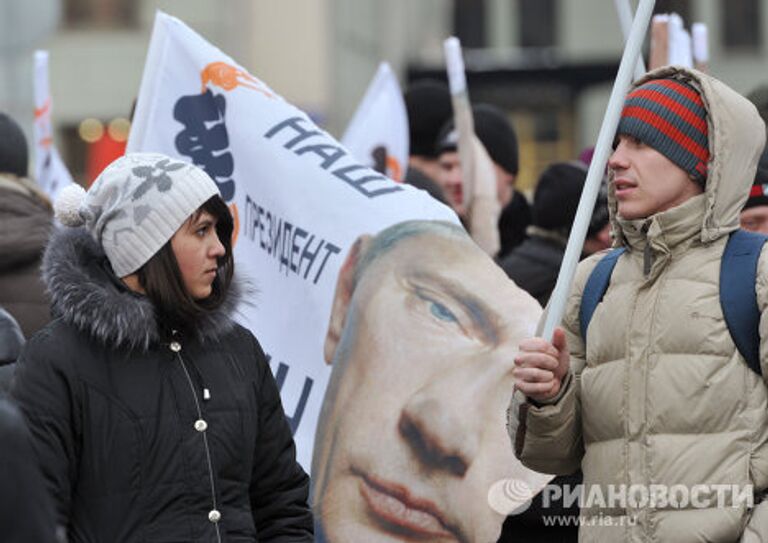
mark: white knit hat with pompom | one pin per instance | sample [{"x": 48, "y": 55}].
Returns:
[{"x": 135, "y": 206}]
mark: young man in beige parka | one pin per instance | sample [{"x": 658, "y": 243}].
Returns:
[{"x": 658, "y": 408}]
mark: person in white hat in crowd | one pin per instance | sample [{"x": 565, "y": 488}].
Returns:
[{"x": 153, "y": 415}]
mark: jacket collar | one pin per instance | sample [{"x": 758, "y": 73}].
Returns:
[
  {"x": 667, "y": 229},
  {"x": 86, "y": 294}
]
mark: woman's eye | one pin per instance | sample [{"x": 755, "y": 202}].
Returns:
[
  {"x": 201, "y": 231},
  {"x": 442, "y": 312}
]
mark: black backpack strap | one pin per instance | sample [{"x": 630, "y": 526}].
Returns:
[
  {"x": 594, "y": 290},
  {"x": 738, "y": 276}
]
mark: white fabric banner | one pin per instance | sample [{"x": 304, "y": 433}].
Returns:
[
  {"x": 50, "y": 172},
  {"x": 377, "y": 135},
  {"x": 299, "y": 199}
]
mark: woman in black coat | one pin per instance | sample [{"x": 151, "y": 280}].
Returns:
[{"x": 154, "y": 416}]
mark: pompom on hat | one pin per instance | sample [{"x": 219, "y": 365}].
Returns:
[
  {"x": 67, "y": 205},
  {"x": 136, "y": 206}
]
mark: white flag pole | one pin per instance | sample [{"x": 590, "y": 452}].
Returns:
[
  {"x": 457, "y": 79},
  {"x": 624, "y": 10},
  {"x": 462, "y": 112},
  {"x": 42, "y": 129},
  {"x": 556, "y": 307},
  {"x": 700, "y": 46}
]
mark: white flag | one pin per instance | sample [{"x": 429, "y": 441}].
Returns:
[
  {"x": 377, "y": 135},
  {"x": 298, "y": 197},
  {"x": 51, "y": 173}
]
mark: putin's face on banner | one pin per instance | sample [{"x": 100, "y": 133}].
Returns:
[{"x": 412, "y": 437}]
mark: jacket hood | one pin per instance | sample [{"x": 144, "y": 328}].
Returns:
[
  {"x": 25, "y": 221},
  {"x": 736, "y": 140},
  {"x": 86, "y": 294}
]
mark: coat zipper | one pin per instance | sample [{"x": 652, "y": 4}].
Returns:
[
  {"x": 214, "y": 515},
  {"x": 647, "y": 254}
]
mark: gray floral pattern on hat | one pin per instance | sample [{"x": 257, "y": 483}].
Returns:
[
  {"x": 155, "y": 175},
  {"x": 137, "y": 204}
]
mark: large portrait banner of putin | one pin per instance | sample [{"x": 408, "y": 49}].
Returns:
[{"x": 390, "y": 333}]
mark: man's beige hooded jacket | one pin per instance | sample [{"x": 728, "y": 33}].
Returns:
[{"x": 659, "y": 395}]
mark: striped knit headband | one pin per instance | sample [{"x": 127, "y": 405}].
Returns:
[{"x": 669, "y": 116}]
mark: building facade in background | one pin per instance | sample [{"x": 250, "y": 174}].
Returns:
[{"x": 548, "y": 63}]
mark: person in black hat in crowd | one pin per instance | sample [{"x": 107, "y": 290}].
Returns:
[
  {"x": 513, "y": 222},
  {"x": 599, "y": 233},
  {"x": 534, "y": 264},
  {"x": 497, "y": 135},
  {"x": 26, "y": 216},
  {"x": 428, "y": 103},
  {"x": 754, "y": 214}
]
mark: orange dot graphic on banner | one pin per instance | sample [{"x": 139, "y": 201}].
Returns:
[
  {"x": 229, "y": 77},
  {"x": 394, "y": 169}
]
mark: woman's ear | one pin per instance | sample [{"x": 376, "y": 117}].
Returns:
[
  {"x": 132, "y": 282},
  {"x": 345, "y": 285}
]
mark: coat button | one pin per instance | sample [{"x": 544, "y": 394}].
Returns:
[
  {"x": 175, "y": 346},
  {"x": 214, "y": 516},
  {"x": 201, "y": 425}
]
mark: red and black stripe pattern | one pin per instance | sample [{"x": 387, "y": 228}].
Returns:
[
  {"x": 758, "y": 195},
  {"x": 669, "y": 116}
]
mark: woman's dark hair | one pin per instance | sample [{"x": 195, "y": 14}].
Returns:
[{"x": 162, "y": 281}]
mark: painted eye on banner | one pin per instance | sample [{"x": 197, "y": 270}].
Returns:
[
  {"x": 437, "y": 310},
  {"x": 441, "y": 312}
]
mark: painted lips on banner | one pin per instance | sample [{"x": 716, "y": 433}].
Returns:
[
  {"x": 50, "y": 172},
  {"x": 377, "y": 135},
  {"x": 299, "y": 198}
]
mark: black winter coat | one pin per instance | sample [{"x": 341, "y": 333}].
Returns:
[
  {"x": 11, "y": 343},
  {"x": 534, "y": 266},
  {"x": 142, "y": 439},
  {"x": 26, "y": 514}
]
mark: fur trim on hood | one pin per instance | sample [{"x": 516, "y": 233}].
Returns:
[{"x": 86, "y": 294}]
